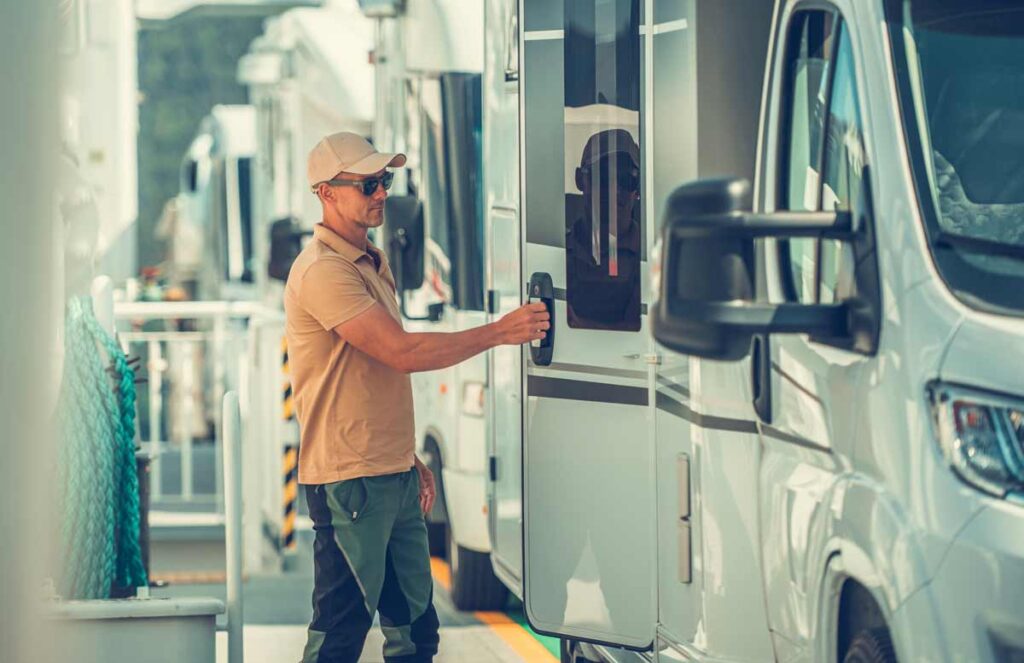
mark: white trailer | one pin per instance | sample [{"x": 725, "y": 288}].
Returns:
[
  {"x": 430, "y": 56},
  {"x": 832, "y": 469}
]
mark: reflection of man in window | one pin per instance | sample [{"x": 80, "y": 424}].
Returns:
[{"x": 602, "y": 243}]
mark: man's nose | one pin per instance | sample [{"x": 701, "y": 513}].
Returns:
[{"x": 381, "y": 193}]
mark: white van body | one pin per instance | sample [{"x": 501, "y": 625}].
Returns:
[
  {"x": 429, "y": 58},
  {"x": 657, "y": 506},
  {"x": 210, "y": 226}
]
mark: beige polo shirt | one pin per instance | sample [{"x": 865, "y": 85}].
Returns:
[{"x": 355, "y": 413}]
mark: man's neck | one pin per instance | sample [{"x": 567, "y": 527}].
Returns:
[{"x": 350, "y": 232}]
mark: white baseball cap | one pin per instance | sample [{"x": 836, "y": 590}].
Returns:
[{"x": 349, "y": 153}]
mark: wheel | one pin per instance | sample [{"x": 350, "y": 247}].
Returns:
[
  {"x": 437, "y": 535},
  {"x": 474, "y": 585},
  {"x": 437, "y": 519},
  {"x": 871, "y": 646}
]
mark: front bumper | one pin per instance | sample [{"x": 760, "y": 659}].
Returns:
[{"x": 973, "y": 607}]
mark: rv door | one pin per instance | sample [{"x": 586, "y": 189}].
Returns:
[{"x": 589, "y": 553}]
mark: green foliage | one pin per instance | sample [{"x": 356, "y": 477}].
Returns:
[{"x": 185, "y": 68}]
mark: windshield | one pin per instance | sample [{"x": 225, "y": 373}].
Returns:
[{"x": 962, "y": 68}]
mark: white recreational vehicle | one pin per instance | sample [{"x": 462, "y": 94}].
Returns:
[
  {"x": 209, "y": 225},
  {"x": 833, "y": 467},
  {"x": 429, "y": 57}
]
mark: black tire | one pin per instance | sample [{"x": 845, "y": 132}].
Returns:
[
  {"x": 474, "y": 585},
  {"x": 437, "y": 539},
  {"x": 437, "y": 519},
  {"x": 871, "y": 646}
]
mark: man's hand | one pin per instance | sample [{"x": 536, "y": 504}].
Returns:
[
  {"x": 529, "y": 322},
  {"x": 428, "y": 489}
]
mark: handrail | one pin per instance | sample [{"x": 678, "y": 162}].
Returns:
[{"x": 195, "y": 310}]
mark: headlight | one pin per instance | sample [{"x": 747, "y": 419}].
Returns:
[{"x": 982, "y": 437}]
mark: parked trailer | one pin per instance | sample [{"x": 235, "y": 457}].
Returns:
[{"x": 832, "y": 468}]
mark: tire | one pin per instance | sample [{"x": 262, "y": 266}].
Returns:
[
  {"x": 437, "y": 539},
  {"x": 474, "y": 585},
  {"x": 437, "y": 519},
  {"x": 871, "y": 646}
]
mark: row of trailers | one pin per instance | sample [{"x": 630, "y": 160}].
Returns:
[{"x": 779, "y": 415}]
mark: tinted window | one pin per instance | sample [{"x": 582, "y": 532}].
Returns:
[
  {"x": 603, "y": 232},
  {"x": 825, "y": 159},
  {"x": 808, "y": 61}
]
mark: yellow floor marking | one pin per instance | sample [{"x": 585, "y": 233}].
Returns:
[{"x": 514, "y": 635}]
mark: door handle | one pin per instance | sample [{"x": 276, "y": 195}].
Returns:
[
  {"x": 541, "y": 289},
  {"x": 761, "y": 377}
]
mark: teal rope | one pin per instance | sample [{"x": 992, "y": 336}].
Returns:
[{"x": 98, "y": 484}]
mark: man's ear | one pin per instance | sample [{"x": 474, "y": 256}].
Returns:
[{"x": 579, "y": 179}]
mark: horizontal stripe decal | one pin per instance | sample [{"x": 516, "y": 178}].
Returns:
[
  {"x": 674, "y": 386},
  {"x": 796, "y": 383},
  {"x": 670, "y": 405},
  {"x": 593, "y": 370},
  {"x": 782, "y": 436},
  {"x": 579, "y": 390}
]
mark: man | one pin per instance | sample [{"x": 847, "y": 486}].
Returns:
[
  {"x": 350, "y": 362},
  {"x": 602, "y": 243}
]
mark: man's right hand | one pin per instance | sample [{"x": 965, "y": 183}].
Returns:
[{"x": 527, "y": 323}]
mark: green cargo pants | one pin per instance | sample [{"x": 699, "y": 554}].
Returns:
[{"x": 370, "y": 554}]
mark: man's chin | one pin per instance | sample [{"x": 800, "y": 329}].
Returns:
[{"x": 374, "y": 219}]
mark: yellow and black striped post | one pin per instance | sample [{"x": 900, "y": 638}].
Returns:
[
  {"x": 290, "y": 471},
  {"x": 288, "y": 399},
  {"x": 290, "y": 462}
]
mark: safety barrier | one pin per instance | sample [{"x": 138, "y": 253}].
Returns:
[{"x": 195, "y": 352}]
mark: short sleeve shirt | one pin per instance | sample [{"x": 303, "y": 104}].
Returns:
[{"x": 355, "y": 413}]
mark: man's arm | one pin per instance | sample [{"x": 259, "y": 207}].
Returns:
[{"x": 377, "y": 334}]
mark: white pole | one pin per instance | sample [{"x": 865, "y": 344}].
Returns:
[
  {"x": 102, "y": 291},
  {"x": 233, "y": 522}
]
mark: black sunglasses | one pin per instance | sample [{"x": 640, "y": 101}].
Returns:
[{"x": 369, "y": 186}]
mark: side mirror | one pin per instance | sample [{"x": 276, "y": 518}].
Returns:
[
  {"x": 404, "y": 238},
  {"x": 285, "y": 244},
  {"x": 707, "y": 304}
]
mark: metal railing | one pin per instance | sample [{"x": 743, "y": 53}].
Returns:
[{"x": 193, "y": 354}]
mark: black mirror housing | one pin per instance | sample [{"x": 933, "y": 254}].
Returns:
[
  {"x": 701, "y": 265},
  {"x": 707, "y": 306},
  {"x": 285, "y": 244},
  {"x": 404, "y": 239}
]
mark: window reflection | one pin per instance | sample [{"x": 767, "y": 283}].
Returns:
[{"x": 602, "y": 156}]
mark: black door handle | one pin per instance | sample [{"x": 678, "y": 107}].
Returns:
[
  {"x": 541, "y": 289},
  {"x": 761, "y": 377}
]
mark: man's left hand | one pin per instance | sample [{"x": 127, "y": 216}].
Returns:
[{"x": 428, "y": 489}]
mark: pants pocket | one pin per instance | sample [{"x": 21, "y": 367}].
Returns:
[{"x": 349, "y": 498}]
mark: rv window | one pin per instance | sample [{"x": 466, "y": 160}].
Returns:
[
  {"x": 463, "y": 126},
  {"x": 807, "y": 67},
  {"x": 843, "y": 169},
  {"x": 435, "y": 190},
  {"x": 603, "y": 223},
  {"x": 824, "y": 158},
  {"x": 245, "y": 215}
]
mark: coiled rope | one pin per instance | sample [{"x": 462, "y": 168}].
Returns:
[{"x": 97, "y": 478}]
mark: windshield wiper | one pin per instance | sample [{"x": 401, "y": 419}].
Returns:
[{"x": 981, "y": 245}]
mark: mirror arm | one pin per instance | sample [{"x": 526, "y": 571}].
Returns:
[
  {"x": 836, "y": 225},
  {"x": 819, "y": 320},
  {"x": 399, "y": 243}
]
